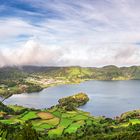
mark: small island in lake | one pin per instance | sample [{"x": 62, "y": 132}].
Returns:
[{"x": 72, "y": 102}]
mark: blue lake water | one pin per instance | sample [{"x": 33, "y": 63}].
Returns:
[{"x": 107, "y": 98}]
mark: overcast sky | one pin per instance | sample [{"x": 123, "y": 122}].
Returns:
[{"x": 70, "y": 32}]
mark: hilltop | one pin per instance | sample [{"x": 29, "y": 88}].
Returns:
[{"x": 109, "y": 72}]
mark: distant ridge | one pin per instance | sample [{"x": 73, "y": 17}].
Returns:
[{"x": 109, "y": 72}]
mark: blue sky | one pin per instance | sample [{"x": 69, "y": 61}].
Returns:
[{"x": 70, "y": 32}]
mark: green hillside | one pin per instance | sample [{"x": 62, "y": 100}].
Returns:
[
  {"x": 15, "y": 80},
  {"x": 58, "y": 123},
  {"x": 105, "y": 73}
]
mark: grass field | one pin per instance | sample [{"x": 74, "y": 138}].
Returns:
[
  {"x": 29, "y": 116},
  {"x": 74, "y": 126},
  {"x": 58, "y": 131},
  {"x": 45, "y": 115},
  {"x": 54, "y": 121},
  {"x": 58, "y": 122},
  {"x": 16, "y": 108}
]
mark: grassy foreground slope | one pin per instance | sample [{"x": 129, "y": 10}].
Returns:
[{"x": 58, "y": 123}]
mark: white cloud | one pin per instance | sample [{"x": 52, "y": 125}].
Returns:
[
  {"x": 30, "y": 54},
  {"x": 34, "y": 53},
  {"x": 86, "y": 33}
]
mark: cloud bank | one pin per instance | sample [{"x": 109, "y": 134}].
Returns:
[
  {"x": 63, "y": 33},
  {"x": 32, "y": 53}
]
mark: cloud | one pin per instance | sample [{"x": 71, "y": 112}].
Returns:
[
  {"x": 30, "y": 54},
  {"x": 86, "y": 33},
  {"x": 35, "y": 53},
  {"x": 3, "y": 59}
]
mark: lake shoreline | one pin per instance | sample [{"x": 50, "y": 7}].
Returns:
[
  {"x": 65, "y": 83},
  {"x": 45, "y": 87},
  {"x": 103, "y": 95}
]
